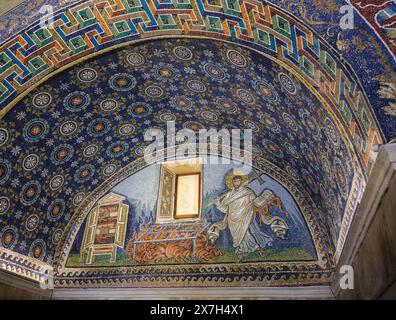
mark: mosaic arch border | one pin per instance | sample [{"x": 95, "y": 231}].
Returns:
[
  {"x": 24, "y": 266},
  {"x": 276, "y": 273},
  {"x": 31, "y": 56},
  {"x": 367, "y": 16}
]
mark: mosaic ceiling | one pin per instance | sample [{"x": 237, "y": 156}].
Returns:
[
  {"x": 368, "y": 47},
  {"x": 73, "y": 132},
  {"x": 74, "y": 112}
]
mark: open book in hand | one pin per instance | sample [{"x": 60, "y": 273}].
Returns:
[{"x": 263, "y": 198}]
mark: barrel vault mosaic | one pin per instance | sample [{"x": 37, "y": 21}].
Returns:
[
  {"x": 101, "y": 109},
  {"x": 77, "y": 101}
]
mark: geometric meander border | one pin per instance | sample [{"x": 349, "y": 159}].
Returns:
[{"x": 94, "y": 26}]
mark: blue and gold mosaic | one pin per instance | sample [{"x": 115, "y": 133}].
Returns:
[{"x": 73, "y": 132}]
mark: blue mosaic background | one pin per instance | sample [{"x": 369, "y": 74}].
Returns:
[{"x": 71, "y": 133}]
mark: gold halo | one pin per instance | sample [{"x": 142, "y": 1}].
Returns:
[{"x": 232, "y": 174}]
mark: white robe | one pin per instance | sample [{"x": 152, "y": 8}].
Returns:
[{"x": 238, "y": 204}]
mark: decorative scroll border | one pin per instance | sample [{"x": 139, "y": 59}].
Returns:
[{"x": 24, "y": 266}]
